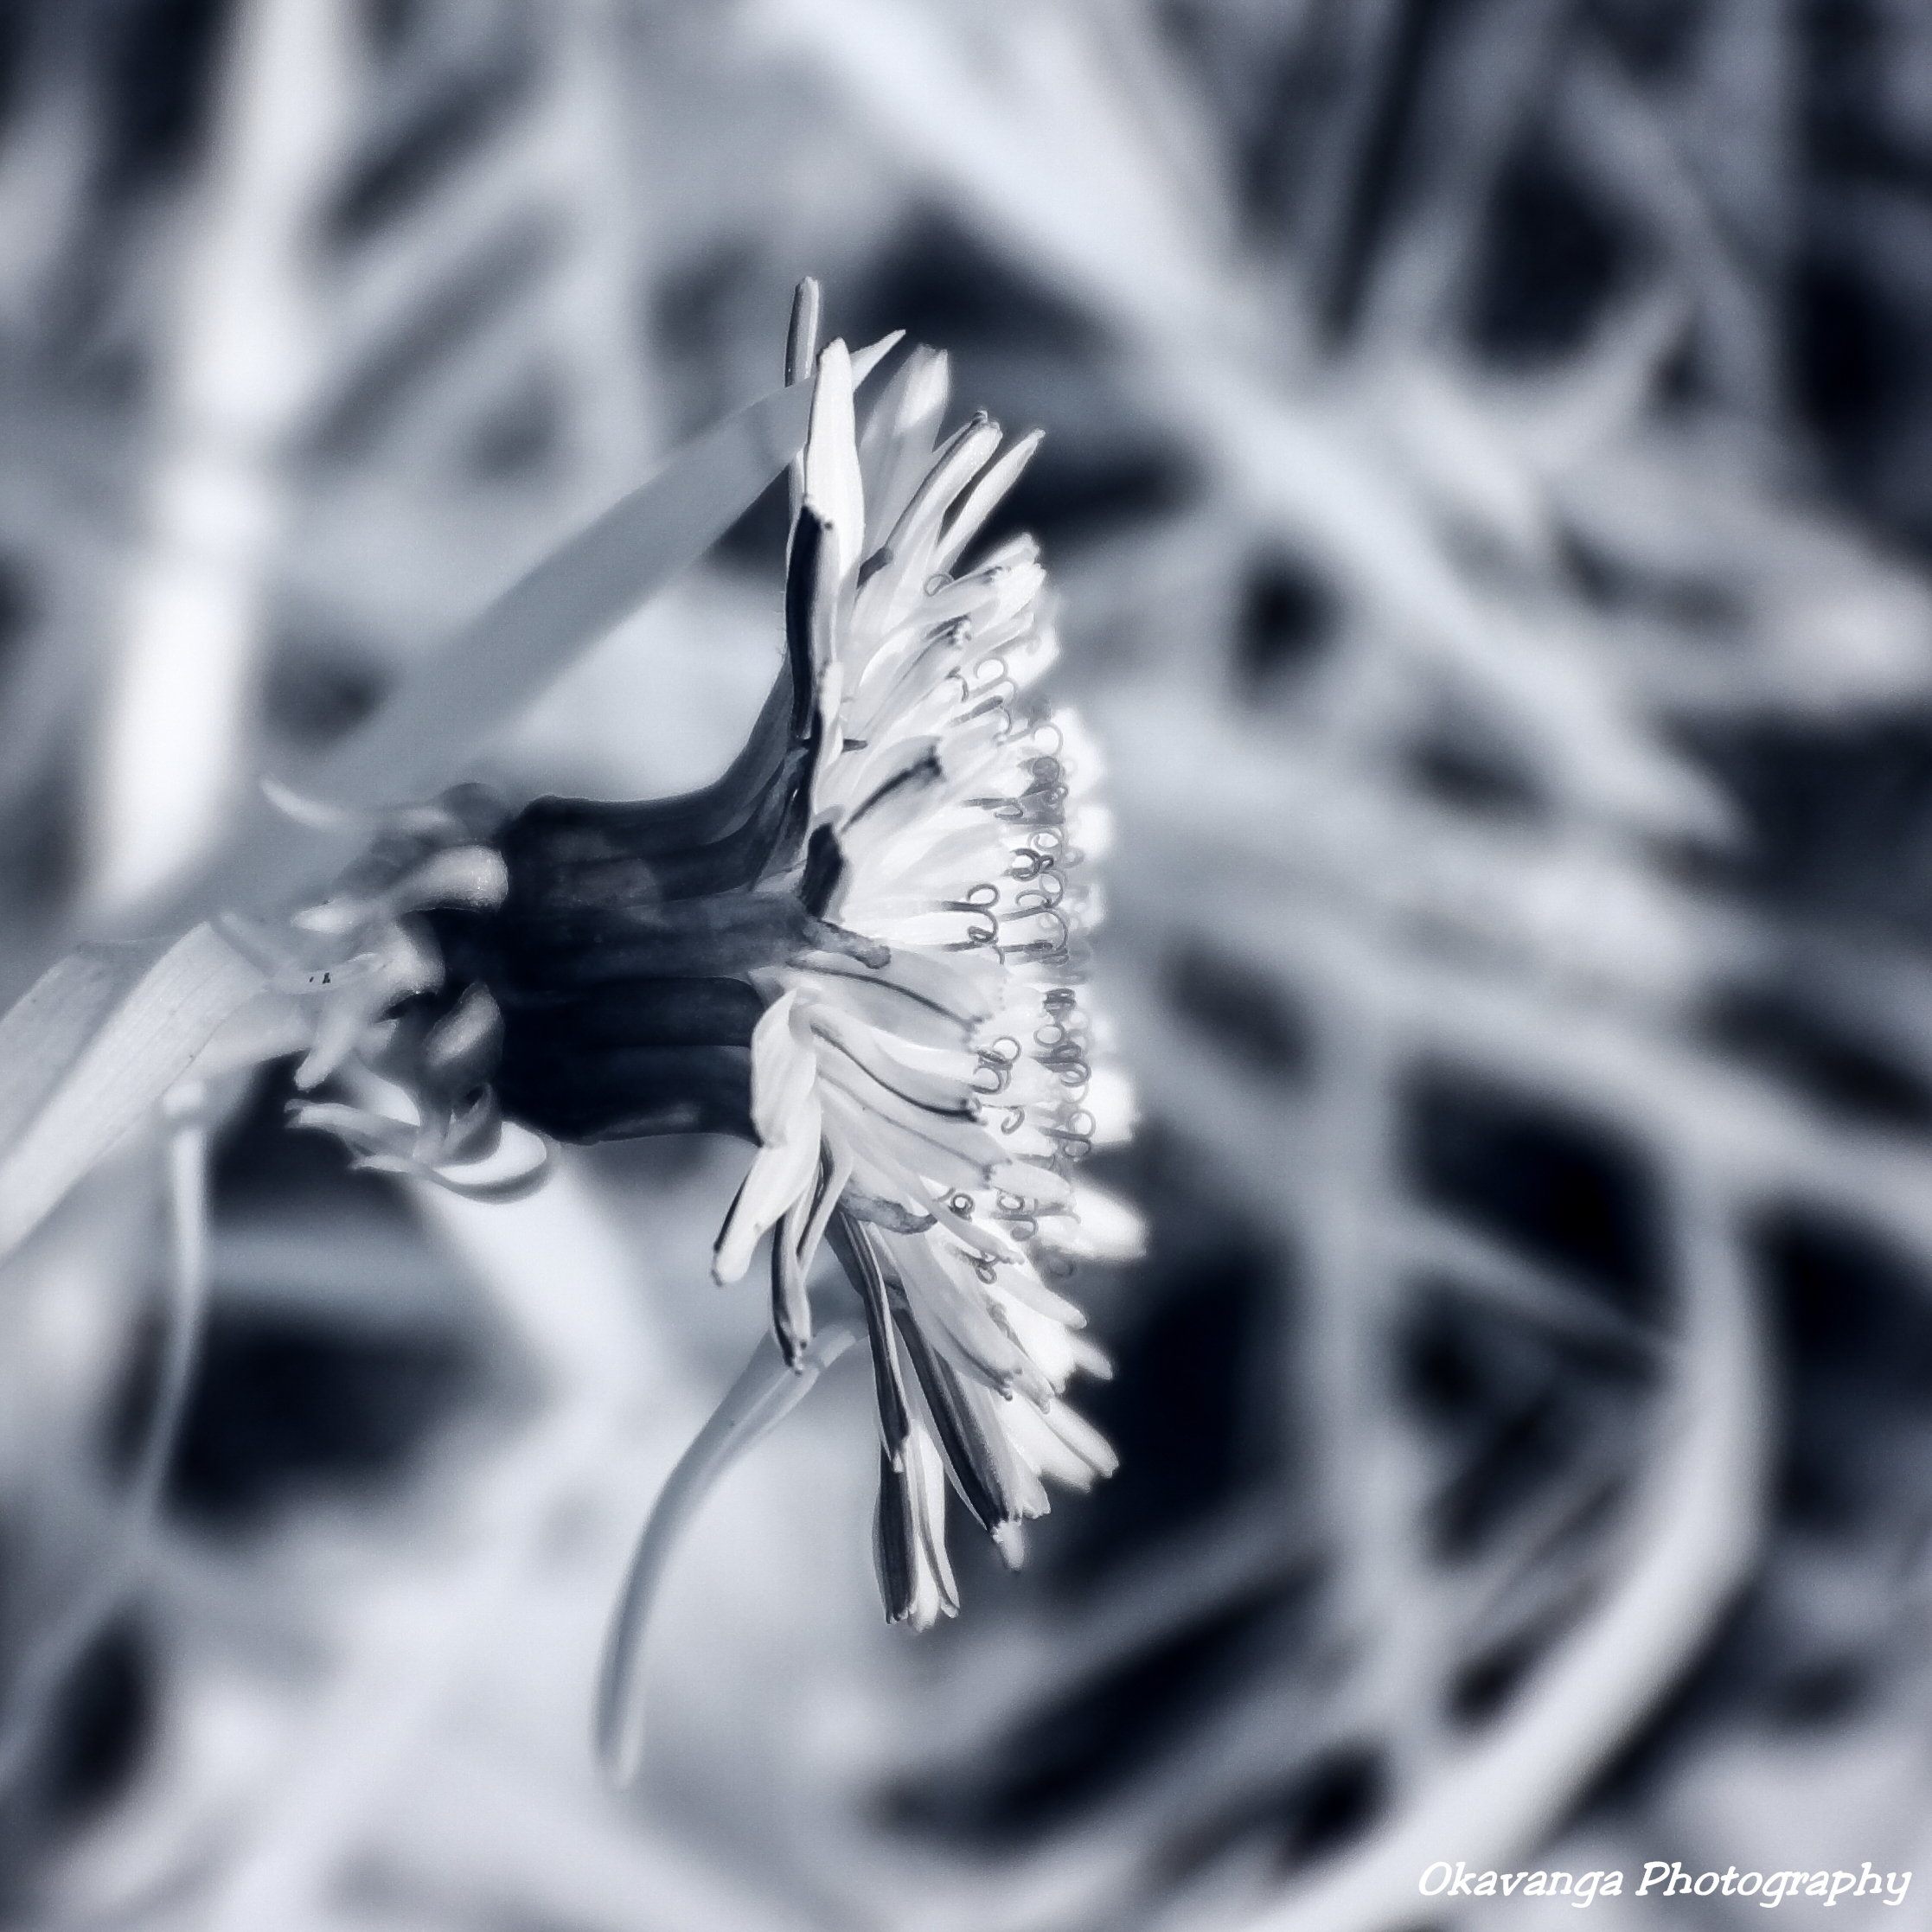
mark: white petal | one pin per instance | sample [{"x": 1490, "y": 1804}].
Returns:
[
  {"x": 937, "y": 1595},
  {"x": 1051, "y": 1345},
  {"x": 897, "y": 446},
  {"x": 1090, "y": 830},
  {"x": 983, "y": 498},
  {"x": 780, "y": 1173},
  {"x": 1060, "y": 1443},
  {"x": 784, "y": 1070},
  {"x": 1105, "y": 1227},
  {"x": 833, "y": 487},
  {"x": 903, "y": 578}
]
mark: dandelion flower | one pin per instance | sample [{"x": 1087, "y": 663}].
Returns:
[{"x": 861, "y": 948}]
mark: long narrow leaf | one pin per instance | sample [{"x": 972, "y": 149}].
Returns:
[
  {"x": 480, "y": 679},
  {"x": 44, "y": 1032},
  {"x": 487, "y": 674},
  {"x": 141, "y": 1043}
]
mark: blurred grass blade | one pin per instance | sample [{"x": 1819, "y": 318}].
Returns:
[
  {"x": 95, "y": 1043},
  {"x": 483, "y": 677},
  {"x": 480, "y": 680},
  {"x": 44, "y": 1033}
]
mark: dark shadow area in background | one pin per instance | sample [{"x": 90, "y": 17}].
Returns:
[{"x": 1814, "y": 1644}]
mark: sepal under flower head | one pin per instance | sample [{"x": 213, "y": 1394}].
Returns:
[{"x": 377, "y": 1000}]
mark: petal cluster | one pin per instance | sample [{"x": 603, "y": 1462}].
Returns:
[{"x": 923, "y": 1101}]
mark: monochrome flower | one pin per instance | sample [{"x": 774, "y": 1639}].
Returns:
[{"x": 861, "y": 948}]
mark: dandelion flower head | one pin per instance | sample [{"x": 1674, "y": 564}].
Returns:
[{"x": 864, "y": 948}]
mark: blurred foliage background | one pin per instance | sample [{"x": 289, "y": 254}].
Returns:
[{"x": 1487, "y": 481}]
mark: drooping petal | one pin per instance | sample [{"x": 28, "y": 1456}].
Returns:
[
  {"x": 787, "y": 1115},
  {"x": 781, "y": 1171},
  {"x": 909, "y": 1539},
  {"x": 792, "y": 1309}
]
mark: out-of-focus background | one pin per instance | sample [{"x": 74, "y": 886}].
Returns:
[{"x": 1489, "y": 483}]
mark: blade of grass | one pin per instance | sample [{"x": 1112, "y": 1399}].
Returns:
[
  {"x": 482, "y": 677},
  {"x": 142, "y": 1039},
  {"x": 44, "y": 1032},
  {"x": 58, "y": 1646}
]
